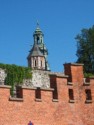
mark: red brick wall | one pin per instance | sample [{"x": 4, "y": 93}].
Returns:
[
  {"x": 46, "y": 111},
  {"x": 75, "y": 72}
]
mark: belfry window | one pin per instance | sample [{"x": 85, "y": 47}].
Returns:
[
  {"x": 37, "y": 39},
  {"x": 35, "y": 63},
  {"x": 41, "y": 39},
  {"x": 41, "y": 63}
]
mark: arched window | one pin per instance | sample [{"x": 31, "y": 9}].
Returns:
[
  {"x": 41, "y": 63},
  {"x": 41, "y": 39},
  {"x": 37, "y": 39},
  {"x": 35, "y": 63}
]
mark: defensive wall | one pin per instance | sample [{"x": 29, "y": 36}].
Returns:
[{"x": 68, "y": 101}]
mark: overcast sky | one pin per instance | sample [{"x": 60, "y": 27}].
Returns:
[{"x": 60, "y": 21}]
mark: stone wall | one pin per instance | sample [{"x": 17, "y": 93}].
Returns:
[
  {"x": 2, "y": 76},
  {"x": 40, "y": 78}
]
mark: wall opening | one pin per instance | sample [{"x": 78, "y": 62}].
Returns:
[
  {"x": 88, "y": 94},
  {"x": 71, "y": 94},
  {"x": 53, "y": 85},
  {"x": 19, "y": 92},
  {"x": 38, "y": 93},
  {"x": 55, "y": 93}
]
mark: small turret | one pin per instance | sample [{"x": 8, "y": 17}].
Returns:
[{"x": 36, "y": 59}]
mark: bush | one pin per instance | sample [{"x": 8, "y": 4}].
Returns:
[{"x": 15, "y": 74}]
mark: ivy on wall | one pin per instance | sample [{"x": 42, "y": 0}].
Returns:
[
  {"x": 88, "y": 75},
  {"x": 15, "y": 74}
]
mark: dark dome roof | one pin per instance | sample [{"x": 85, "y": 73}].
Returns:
[{"x": 35, "y": 51}]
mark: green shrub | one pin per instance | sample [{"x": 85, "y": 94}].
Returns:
[
  {"x": 15, "y": 74},
  {"x": 88, "y": 74}
]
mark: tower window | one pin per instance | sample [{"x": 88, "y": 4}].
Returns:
[
  {"x": 38, "y": 93},
  {"x": 35, "y": 63},
  {"x": 41, "y": 63},
  {"x": 71, "y": 95},
  {"x": 37, "y": 39},
  {"x": 88, "y": 94},
  {"x": 41, "y": 39}
]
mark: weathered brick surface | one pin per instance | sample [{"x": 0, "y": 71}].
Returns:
[
  {"x": 47, "y": 111},
  {"x": 75, "y": 72}
]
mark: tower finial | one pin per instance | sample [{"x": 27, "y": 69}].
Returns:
[{"x": 37, "y": 24}]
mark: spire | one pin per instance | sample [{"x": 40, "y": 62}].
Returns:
[
  {"x": 37, "y": 24},
  {"x": 38, "y": 28}
]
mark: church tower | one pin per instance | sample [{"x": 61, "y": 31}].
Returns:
[{"x": 37, "y": 58}]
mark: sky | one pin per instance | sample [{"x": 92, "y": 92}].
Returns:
[{"x": 59, "y": 20}]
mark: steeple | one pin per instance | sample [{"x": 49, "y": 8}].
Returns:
[{"x": 38, "y": 51}]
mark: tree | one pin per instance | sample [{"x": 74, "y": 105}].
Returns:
[{"x": 85, "y": 49}]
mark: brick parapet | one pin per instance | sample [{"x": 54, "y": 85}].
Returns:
[
  {"x": 75, "y": 72},
  {"x": 5, "y": 86},
  {"x": 49, "y": 111}
]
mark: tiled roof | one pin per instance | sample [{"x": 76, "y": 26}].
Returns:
[{"x": 35, "y": 51}]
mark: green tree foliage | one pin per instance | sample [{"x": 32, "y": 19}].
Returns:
[
  {"x": 85, "y": 49},
  {"x": 15, "y": 74}
]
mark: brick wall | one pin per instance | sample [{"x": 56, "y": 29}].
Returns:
[
  {"x": 75, "y": 72},
  {"x": 49, "y": 109}
]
